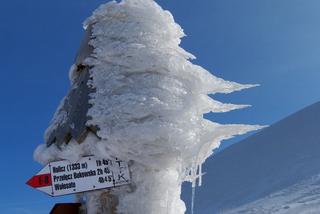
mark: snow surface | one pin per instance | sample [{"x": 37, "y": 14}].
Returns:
[
  {"x": 274, "y": 171},
  {"x": 148, "y": 104},
  {"x": 301, "y": 198}
]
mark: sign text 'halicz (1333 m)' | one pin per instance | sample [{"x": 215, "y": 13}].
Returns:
[{"x": 89, "y": 173}]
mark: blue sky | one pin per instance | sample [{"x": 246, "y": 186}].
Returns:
[{"x": 270, "y": 42}]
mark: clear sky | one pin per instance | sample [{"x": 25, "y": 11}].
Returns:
[{"x": 270, "y": 42}]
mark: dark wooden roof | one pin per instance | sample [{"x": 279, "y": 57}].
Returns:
[
  {"x": 69, "y": 208},
  {"x": 76, "y": 103}
]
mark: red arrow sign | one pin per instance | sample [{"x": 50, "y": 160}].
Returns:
[{"x": 38, "y": 181}]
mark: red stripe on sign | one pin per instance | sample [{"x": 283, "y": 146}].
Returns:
[{"x": 38, "y": 181}]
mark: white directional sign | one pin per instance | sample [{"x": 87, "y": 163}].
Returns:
[{"x": 89, "y": 173}]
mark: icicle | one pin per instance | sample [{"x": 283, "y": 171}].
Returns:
[
  {"x": 200, "y": 175},
  {"x": 192, "y": 199},
  {"x": 167, "y": 198},
  {"x": 194, "y": 184}
]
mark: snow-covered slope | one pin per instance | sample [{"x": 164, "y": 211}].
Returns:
[
  {"x": 301, "y": 198},
  {"x": 274, "y": 171}
]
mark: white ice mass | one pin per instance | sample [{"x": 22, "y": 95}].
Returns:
[{"x": 148, "y": 104}]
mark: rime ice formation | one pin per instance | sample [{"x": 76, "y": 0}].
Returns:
[{"x": 148, "y": 104}]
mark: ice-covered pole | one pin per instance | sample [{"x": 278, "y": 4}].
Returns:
[{"x": 146, "y": 106}]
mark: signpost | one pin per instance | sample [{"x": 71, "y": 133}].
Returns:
[{"x": 89, "y": 173}]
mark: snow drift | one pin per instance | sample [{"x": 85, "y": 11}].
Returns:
[
  {"x": 148, "y": 104},
  {"x": 279, "y": 167}
]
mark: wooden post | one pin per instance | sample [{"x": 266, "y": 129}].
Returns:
[{"x": 108, "y": 203}]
